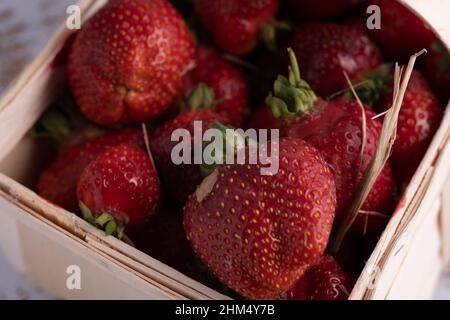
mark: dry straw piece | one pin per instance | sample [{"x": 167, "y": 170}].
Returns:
[{"x": 383, "y": 151}]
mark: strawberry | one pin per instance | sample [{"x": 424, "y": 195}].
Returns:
[
  {"x": 402, "y": 32},
  {"x": 419, "y": 119},
  {"x": 319, "y": 9},
  {"x": 227, "y": 82},
  {"x": 323, "y": 281},
  {"x": 335, "y": 128},
  {"x": 263, "y": 118},
  {"x": 164, "y": 239},
  {"x": 436, "y": 68},
  {"x": 128, "y": 61},
  {"x": 119, "y": 190},
  {"x": 258, "y": 233},
  {"x": 380, "y": 203},
  {"x": 58, "y": 182},
  {"x": 179, "y": 181},
  {"x": 327, "y": 50},
  {"x": 236, "y": 25}
]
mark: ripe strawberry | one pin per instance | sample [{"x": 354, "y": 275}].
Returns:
[
  {"x": 326, "y": 50},
  {"x": 58, "y": 182},
  {"x": 335, "y": 128},
  {"x": 235, "y": 25},
  {"x": 436, "y": 68},
  {"x": 263, "y": 118},
  {"x": 128, "y": 61},
  {"x": 164, "y": 239},
  {"x": 323, "y": 281},
  {"x": 319, "y": 9},
  {"x": 227, "y": 82},
  {"x": 419, "y": 119},
  {"x": 120, "y": 188},
  {"x": 257, "y": 233},
  {"x": 402, "y": 32},
  {"x": 179, "y": 181}
]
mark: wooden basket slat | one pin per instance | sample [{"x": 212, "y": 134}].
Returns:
[
  {"x": 38, "y": 242},
  {"x": 75, "y": 226}
]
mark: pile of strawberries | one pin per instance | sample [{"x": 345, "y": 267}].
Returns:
[{"x": 167, "y": 64}]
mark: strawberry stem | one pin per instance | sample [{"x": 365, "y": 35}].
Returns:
[
  {"x": 291, "y": 96},
  {"x": 201, "y": 97},
  {"x": 294, "y": 69}
]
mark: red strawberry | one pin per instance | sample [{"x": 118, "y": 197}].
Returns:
[
  {"x": 128, "y": 61},
  {"x": 58, "y": 183},
  {"x": 258, "y": 233},
  {"x": 120, "y": 186},
  {"x": 323, "y": 281},
  {"x": 179, "y": 181},
  {"x": 227, "y": 82},
  {"x": 436, "y": 68},
  {"x": 379, "y": 205},
  {"x": 263, "y": 118},
  {"x": 319, "y": 9},
  {"x": 335, "y": 129},
  {"x": 236, "y": 25},
  {"x": 326, "y": 50},
  {"x": 418, "y": 121},
  {"x": 402, "y": 32},
  {"x": 164, "y": 239}
]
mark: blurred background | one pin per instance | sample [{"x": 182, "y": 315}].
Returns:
[{"x": 25, "y": 27}]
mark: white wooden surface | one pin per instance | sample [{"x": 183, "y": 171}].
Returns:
[{"x": 24, "y": 28}]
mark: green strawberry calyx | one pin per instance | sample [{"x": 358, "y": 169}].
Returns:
[
  {"x": 232, "y": 140},
  {"x": 52, "y": 125},
  {"x": 105, "y": 222},
  {"x": 292, "y": 95},
  {"x": 373, "y": 85},
  {"x": 444, "y": 61},
  {"x": 201, "y": 97},
  {"x": 60, "y": 120}
]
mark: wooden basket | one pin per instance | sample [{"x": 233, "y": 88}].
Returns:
[{"x": 43, "y": 240}]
